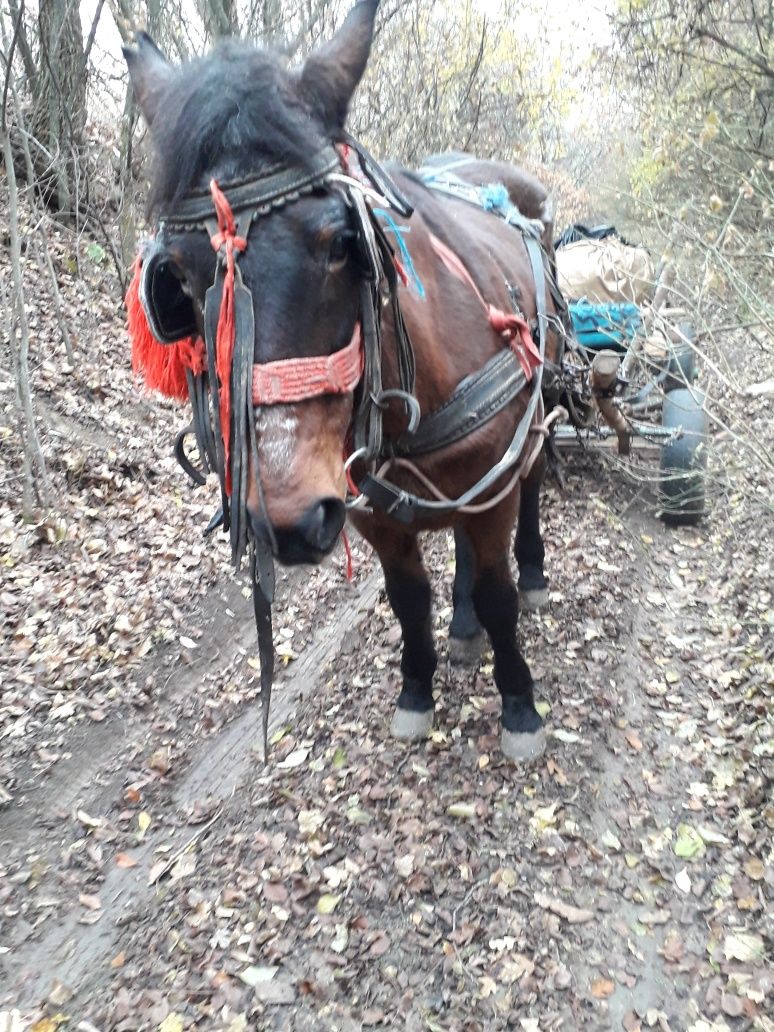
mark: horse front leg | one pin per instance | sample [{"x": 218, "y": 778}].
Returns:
[
  {"x": 496, "y": 600},
  {"x": 466, "y": 636},
  {"x": 528, "y": 548},
  {"x": 409, "y": 594}
]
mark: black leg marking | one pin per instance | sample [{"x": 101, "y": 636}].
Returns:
[
  {"x": 497, "y": 605},
  {"x": 465, "y": 626},
  {"x": 529, "y": 551},
  {"x": 410, "y": 598}
]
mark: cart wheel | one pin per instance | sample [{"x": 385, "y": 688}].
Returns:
[
  {"x": 684, "y": 460},
  {"x": 682, "y": 361}
]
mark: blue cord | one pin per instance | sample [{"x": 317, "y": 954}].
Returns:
[
  {"x": 404, "y": 251},
  {"x": 494, "y": 197}
]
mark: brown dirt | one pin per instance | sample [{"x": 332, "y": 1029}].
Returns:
[{"x": 358, "y": 882}]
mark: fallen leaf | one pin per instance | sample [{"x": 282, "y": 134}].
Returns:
[
  {"x": 172, "y": 1023},
  {"x": 156, "y": 871},
  {"x": 160, "y": 760},
  {"x": 143, "y": 823},
  {"x": 404, "y": 865},
  {"x": 380, "y": 945},
  {"x": 754, "y": 868},
  {"x": 570, "y": 913},
  {"x": 44, "y": 1025},
  {"x": 634, "y": 740},
  {"x": 86, "y": 820},
  {"x": 486, "y": 987},
  {"x": 184, "y": 866},
  {"x": 294, "y": 759},
  {"x": 688, "y": 842},
  {"x": 712, "y": 837},
  {"x": 254, "y": 975},
  {"x": 602, "y": 988},
  {"x": 569, "y": 737},
  {"x": 683, "y": 881},
  {"x": 119, "y": 960},
  {"x": 732, "y": 1005},
  {"x": 673, "y": 948},
  {"x": 279, "y": 991},
  {"x": 90, "y": 902},
  {"x": 125, "y": 860},
  {"x": 340, "y": 939},
  {"x": 327, "y": 903},
  {"x": 463, "y": 811},
  {"x": 611, "y": 841},
  {"x": 743, "y": 946},
  {"x": 275, "y": 892},
  {"x": 310, "y": 822}
]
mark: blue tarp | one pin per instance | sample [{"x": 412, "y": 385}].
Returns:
[{"x": 605, "y": 326}]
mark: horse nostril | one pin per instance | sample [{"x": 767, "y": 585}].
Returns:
[{"x": 322, "y": 523}]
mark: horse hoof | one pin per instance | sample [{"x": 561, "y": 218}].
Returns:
[
  {"x": 533, "y": 599},
  {"x": 521, "y": 746},
  {"x": 411, "y": 725},
  {"x": 466, "y": 652}
]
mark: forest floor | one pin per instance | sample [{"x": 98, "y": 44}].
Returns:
[{"x": 154, "y": 874}]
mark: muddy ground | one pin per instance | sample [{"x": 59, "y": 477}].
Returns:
[{"x": 155, "y": 875}]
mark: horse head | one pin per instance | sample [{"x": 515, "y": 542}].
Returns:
[{"x": 236, "y": 117}]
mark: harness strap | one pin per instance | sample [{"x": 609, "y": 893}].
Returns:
[
  {"x": 477, "y": 399},
  {"x": 262, "y": 577},
  {"x": 259, "y": 195},
  {"x": 406, "y": 507},
  {"x": 511, "y": 326}
]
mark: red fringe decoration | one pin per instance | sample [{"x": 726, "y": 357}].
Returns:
[
  {"x": 162, "y": 366},
  {"x": 227, "y": 239}
]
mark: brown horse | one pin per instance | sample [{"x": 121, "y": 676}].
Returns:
[{"x": 239, "y": 116}]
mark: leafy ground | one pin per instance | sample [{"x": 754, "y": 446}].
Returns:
[{"x": 154, "y": 875}]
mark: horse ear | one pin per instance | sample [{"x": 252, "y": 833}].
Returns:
[
  {"x": 150, "y": 73},
  {"x": 331, "y": 73}
]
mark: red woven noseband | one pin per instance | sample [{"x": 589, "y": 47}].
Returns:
[{"x": 297, "y": 379}]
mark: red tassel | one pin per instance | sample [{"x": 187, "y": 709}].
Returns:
[
  {"x": 227, "y": 239},
  {"x": 162, "y": 366}
]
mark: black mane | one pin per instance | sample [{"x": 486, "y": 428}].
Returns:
[{"x": 231, "y": 113}]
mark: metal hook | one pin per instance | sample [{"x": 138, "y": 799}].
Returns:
[
  {"x": 359, "y": 453},
  {"x": 411, "y": 403}
]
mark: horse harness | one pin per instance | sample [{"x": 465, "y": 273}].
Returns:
[{"x": 225, "y": 385}]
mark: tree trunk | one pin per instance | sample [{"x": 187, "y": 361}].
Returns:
[
  {"x": 59, "y": 101},
  {"x": 35, "y": 477}
]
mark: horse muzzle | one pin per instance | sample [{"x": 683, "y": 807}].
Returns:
[{"x": 310, "y": 539}]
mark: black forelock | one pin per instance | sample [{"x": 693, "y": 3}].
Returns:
[{"x": 234, "y": 112}]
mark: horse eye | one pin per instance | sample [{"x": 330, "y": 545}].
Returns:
[{"x": 338, "y": 252}]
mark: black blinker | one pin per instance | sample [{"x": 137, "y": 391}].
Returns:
[{"x": 168, "y": 308}]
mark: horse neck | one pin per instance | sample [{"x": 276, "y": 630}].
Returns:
[{"x": 441, "y": 326}]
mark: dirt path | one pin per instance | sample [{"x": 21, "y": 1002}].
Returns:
[{"x": 622, "y": 882}]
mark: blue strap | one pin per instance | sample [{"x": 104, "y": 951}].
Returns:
[{"x": 393, "y": 227}]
